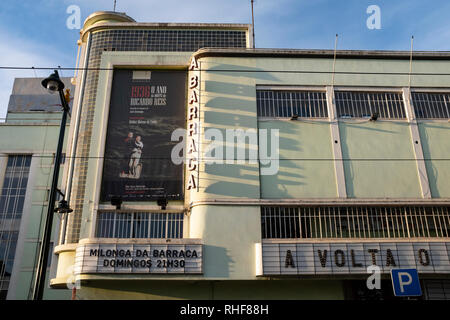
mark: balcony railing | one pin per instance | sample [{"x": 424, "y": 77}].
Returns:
[{"x": 119, "y": 224}]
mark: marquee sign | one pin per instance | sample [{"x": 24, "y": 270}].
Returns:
[
  {"x": 353, "y": 258},
  {"x": 138, "y": 258}
]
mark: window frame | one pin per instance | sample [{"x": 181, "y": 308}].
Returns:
[
  {"x": 372, "y": 90},
  {"x": 299, "y": 89}
]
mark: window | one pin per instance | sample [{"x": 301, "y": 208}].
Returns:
[
  {"x": 431, "y": 105},
  {"x": 12, "y": 199},
  {"x": 8, "y": 241},
  {"x": 139, "y": 225},
  {"x": 355, "y": 222},
  {"x": 14, "y": 187},
  {"x": 437, "y": 289},
  {"x": 280, "y": 104},
  {"x": 355, "y": 104}
]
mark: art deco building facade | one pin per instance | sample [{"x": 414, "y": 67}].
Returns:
[{"x": 203, "y": 169}]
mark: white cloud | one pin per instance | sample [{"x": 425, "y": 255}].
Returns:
[{"x": 19, "y": 52}]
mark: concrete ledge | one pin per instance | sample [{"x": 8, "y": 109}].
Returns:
[{"x": 66, "y": 248}]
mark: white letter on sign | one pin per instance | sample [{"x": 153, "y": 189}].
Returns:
[{"x": 400, "y": 281}]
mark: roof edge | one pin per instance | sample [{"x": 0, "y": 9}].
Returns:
[
  {"x": 160, "y": 25},
  {"x": 321, "y": 53}
]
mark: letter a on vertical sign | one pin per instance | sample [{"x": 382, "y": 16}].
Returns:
[{"x": 405, "y": 283}]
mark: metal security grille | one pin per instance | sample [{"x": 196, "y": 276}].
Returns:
[
  {"x": 437, "y": 289},
  {"x": 355, "y": 104},
  {"x": 355, "y": 222},
  {"x": 279, "y": 104},
  {"x": 12, "y": 199},
  {"x": 431, "y": 105},
  {"x": 139, "y": 225}
]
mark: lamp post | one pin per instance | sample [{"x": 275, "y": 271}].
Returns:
[{"x": 53, "y": 84}]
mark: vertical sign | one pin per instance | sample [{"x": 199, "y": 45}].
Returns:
[
  {"x": 146, "y": 107},
  {"x": 193, "y": 126}
]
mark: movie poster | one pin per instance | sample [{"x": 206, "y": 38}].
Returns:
[{"x": 146, "y": 107}]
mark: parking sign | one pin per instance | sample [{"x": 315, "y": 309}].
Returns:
[{"x": 405, "y": 283}]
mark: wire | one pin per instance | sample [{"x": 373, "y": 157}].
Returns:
[
  {"x": 243, "y": 70},
  {"x": 36, "y": 119},
  {"x": 258, "y": 159}
]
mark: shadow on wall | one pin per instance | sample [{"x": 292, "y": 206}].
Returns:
[
  {"x": 219, "y": 262},
  {"x": 227, "y": 103},
  {"x": 248, "y": 173},
  {"x": 432, "y": 171},
  {"x": 369, "y": 153},
  {"x": 224, "y": 111},
  {"x": 235, "y": 72}
]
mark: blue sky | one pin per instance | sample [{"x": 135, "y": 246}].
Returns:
[{"x": 34, "y": 32}]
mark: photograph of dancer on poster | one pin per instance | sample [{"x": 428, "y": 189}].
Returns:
[
  {"x": 132, "y": 167},
  {"x": 135, "y": 166},
  {"x": 129, "y": 170}
]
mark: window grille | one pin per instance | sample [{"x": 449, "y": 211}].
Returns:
[
  {"x": 437, "y": 289},
  {"x": 12, "y": 199},
  {"x": 355, "y": 104},
  {"x": 355, "y": 222},
  {"x": 139, "y": 225},
  {"x": 280, "y": 104},
  {"x": 431, "y": 105}
]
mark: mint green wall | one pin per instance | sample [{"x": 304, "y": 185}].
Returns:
[
  {"x": 217, "y": 290},
  {"x": 382, "y": 160},
  {"x": 228, "y": 100},
  {"x": 23, "y": 289},
  {"x": 36, "y": 138},
  {"x": 271, "y": 65},
  {"x": 35, "y": 117},
  {"x": 229, "y": 235},
  {"x": 435, "y": 137},
  {"x": 297, "y": 178}
]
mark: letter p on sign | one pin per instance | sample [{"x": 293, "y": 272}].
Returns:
[
  {"x": 405, "y": 282},
  {"x": 401, "y": 276}
]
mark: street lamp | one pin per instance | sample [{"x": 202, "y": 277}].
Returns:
[{"x": 53, "y": 84}]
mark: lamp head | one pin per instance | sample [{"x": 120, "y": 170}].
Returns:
[
  {"x": 63, "y": 207},
  {"x": 374, "y": 116},
  {"x": 53, "y": 83},
  {"x": 117, "y": 202},
  {"x": 162, "y": 202}
]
